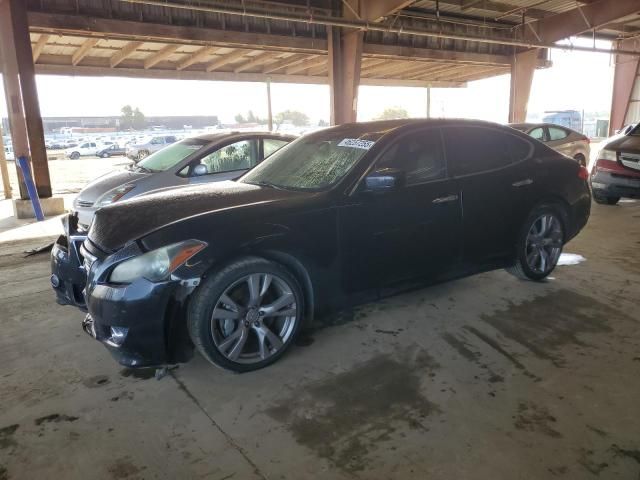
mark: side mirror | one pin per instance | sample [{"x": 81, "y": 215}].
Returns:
[
  {"x": 384, "y": 180},
  {"x": 200, "y": 170}
]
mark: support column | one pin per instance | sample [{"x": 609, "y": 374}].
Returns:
[
  {"x": 522, "y": 68},
  {"x": 345, "y": 58},
  {"x": 624, "y": 81},
  {"x": 269, "y": 112},
  {"x": 21, "y": 91}
]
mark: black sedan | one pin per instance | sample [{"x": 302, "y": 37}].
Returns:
[{"x": 338, "y": 216}]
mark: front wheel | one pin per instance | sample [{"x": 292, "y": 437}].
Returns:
[
  {"x": 245, "y": 316},
  {"x": 539, "y": 244},
  {"x": 74, "y": 156},
  {"x": 142, "y": 154},
  {"x": 105, "y": 155}
]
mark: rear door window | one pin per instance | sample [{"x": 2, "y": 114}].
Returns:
[
  {"x": 240, "y": 155},
  {"x": 471, "y": 150},
  {"x": 538, "y": 134},
  {"x": 557, "y": 133}
]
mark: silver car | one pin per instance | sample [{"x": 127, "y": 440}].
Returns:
[
  {"x": 562, "y": 139},
  {"x": 205, "y": 158},
  {"x": 148, "y": 145}
]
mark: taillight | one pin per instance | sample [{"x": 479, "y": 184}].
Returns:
[{"x": 583, "y": 173}]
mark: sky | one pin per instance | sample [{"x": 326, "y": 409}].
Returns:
[{"x": 577, "y": 80}]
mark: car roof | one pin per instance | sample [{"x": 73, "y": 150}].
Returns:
[
  {"x": 215, "y": 137},
  {"x": 386, "y": 126},
  {"x": 519, "y": 126}
]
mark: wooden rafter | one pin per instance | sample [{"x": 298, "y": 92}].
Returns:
[
  {"x": 160, "y": 55},
  {"x": 255, "y": 61},
  {"x": 196, "y": 57},
  {"x": 124, "y": 53},
  {"x": 312, "y": 62},
  {"x": 287, "y": 62},
  {"x": 39, "y": 46},
  {"x": 226, "y": 59},
  {"x": 83, "y": 50}
]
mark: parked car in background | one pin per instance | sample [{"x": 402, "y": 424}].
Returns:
[
  {"x": 148, "y": 145},
  {"x": 8, "y": 152},
  {"x": 616, "y": 171},
  {"x": 562, "y": 139},
  {"x": 112, "y": 150},
  {"x": 56, "y": 145},
  {"x": 82, "y": 150},
  {"x": 339, "y": 216}
]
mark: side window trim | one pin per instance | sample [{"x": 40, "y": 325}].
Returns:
[
  {"x": 193, "y": 163},
  {"x": 510, "y": 165},
  {"x": 445, "y": 176}
]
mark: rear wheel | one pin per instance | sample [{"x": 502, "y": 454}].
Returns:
[
  {"x": 245, "y": 316},
  {"x": 605, "y": 200},
  {"x": 539, "y": 244},
  {"x": 74, "y": 155}
]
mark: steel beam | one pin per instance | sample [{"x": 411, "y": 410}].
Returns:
[{"x": 589, "y": 17}]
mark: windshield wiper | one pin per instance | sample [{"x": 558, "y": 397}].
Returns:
[{"x": 262, "y": 183}]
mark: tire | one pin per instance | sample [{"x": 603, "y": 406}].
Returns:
[
  {"x": 530, "y": 246},
  {"x": 581, "y": 159},
  {"x": 74, "y": 155},
  {"x": 105, "y": 155},
  {"x": 604, "y": 200},
  {"x": 227, "y": 292},
  {"x": 142, "y": 154}
]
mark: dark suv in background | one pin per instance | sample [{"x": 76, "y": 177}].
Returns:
[{"x": 616, "y": 173}]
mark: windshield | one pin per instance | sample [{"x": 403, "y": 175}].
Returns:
[
  {"x": 314, "y": 162},
  {"x": 171, "y": 155}
]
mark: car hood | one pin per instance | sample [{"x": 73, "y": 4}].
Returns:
[
  {"x": 101, "y": 185},
  {"x": 624, "y": 143},
  {"x": 117, "y": 224}
]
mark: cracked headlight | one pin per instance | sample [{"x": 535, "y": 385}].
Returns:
[{"x": 156, "y": 265}]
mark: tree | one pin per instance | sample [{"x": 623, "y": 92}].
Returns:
[
  {"x": 323, "y": 123},
  {"x": 240, "y": 119},
  {"x": 132, "y": 118},
  {"x": 297, "y": 119},
  {"x": 391, "y": 113},
  {"x": 139, "y": 122}
]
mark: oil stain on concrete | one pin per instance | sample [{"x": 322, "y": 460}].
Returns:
[
  {"x": 345, "y": 417},
  {"x": 548, "y": 323}
]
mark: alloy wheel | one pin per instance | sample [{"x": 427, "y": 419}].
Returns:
[
  {"x": 544, "y": 243},
  {"x": 254, "y": 317}
]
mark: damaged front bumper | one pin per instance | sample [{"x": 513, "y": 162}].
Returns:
[
  {"x": 68, "y": 276},
  {"x": 142, "y": 324}
]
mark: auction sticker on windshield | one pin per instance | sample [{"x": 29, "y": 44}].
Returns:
[{"x": 356, "y": 143}]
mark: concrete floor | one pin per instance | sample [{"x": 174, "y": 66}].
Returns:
[{"x": 482, "y": 378}]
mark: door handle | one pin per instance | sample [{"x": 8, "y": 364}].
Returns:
[
  {"x": 522, "y": 183},
  {"x": 448, "y": 198}
]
